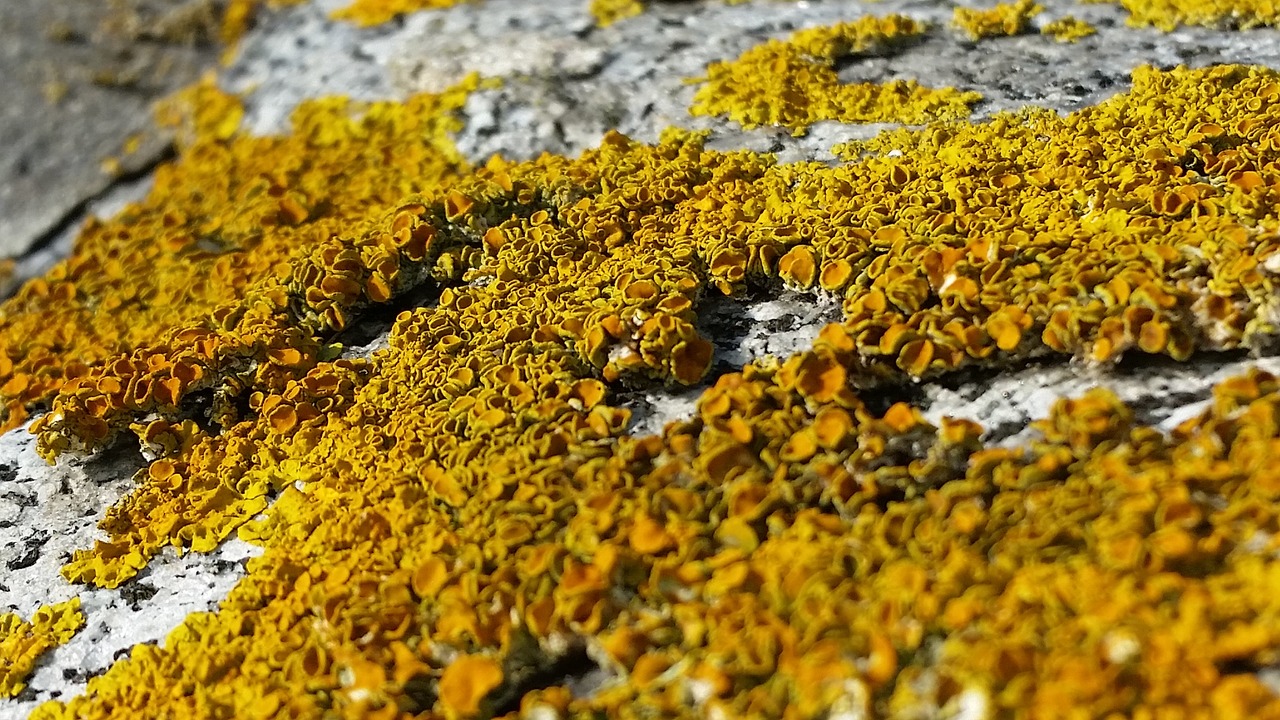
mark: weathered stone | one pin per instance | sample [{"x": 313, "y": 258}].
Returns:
[{"x": 79, "y": 78}]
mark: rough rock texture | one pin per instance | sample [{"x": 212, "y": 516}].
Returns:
[
  {"x": 565, "y": 83},
  {"x": 79, "y": 78},
  {"x": 46, "y": 513}
]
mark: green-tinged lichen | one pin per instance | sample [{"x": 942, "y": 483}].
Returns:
[
  {"x": 23, "y": 643},
  {"x": 793, "y": 83}
]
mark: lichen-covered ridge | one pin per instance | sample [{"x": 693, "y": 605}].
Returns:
[
  {"x": 466, "y": 506},
  {"x": 793, "y": 82}
]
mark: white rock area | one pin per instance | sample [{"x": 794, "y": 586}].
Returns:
[
  {"x": 565, "y": 83},
  {"x": 47, "y": 512}
]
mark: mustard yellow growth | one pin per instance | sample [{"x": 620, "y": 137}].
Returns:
[
  {"x": 22, "y": 643},
  {"x": 607, "y": 12},
  {"x": 1169, "y": 14},
  {"x": 1068, "y": 29},
  {"x": 465, "y": 507},
  {"x": 1001, "y": 20},
  {"x": 222, "y": 218},
  {"x": 793, "y": 82},
  {"x": 367, "y": 13}
]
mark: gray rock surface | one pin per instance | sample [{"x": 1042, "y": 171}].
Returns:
[
  {"x": 565, "y": 83},
  {"x": 78, "y": 80}
]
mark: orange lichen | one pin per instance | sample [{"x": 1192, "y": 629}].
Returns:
[
  {"x": 793, "y": 82},
  {"x": 465, "y": 508},
  {"x": 465, "y": 682},
  {"x": 22, "y": 643}
]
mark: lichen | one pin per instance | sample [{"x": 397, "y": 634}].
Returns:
[
  {"x": 608, "y": 12},
  {"x": 225, "y": 216},
  {"x": 23, "y": 643},
  {"x": 793, "y": 83},
  {"x": 468, "y": 502},
  {"x": 1168, "y": 15},
  {"x": 1003, "y": 19},
  {"x": 1068, "y": 29},
  {"x": 367, "y": 13}
]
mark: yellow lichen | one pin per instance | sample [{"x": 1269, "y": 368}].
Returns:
[
  {"x": 221, "y": 219},
  {"x": 1003, "y": 19},
  {"x": 465, "y": 508},
  {"x": 1068, "y": 29},
  {"x": 1169, "y": 14},
  {"x": 607, "y": 12},
  {"x": 793, "y": 83},
  {"x": 23, "y": 643},
  {"x": 367, "y": 13}
]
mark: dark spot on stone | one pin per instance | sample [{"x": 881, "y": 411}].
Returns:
[
  {"x": 421, "y": 689},
  {"x": 522, "y": 676},
  {"x": 780, "y": 324},
  {"x": 136, "y": 593},
  {"x": 22, "y": 500},
  {"x": 30, "y": 552}
]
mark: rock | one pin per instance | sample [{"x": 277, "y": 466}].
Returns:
[{"x": 79, "y": 78}]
